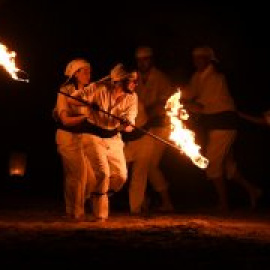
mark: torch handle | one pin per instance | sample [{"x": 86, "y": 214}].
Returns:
[{"x": 120, "y": 119}]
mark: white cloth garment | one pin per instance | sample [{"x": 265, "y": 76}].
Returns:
[
  {"x": 106, "y": 154},
  {"x": 77, "y": 170},
  {"x": 146, "y": 152},
  {"x": 209, "y": 88}
]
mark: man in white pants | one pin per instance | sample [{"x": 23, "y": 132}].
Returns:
[
  {"x": 76, "y": 168},
  {"x": 105, "y": 148},
  {"x": 146, "y": 152},
  {"x": 208, "y": 96}
]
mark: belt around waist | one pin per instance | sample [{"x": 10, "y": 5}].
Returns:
[{"x": 86, "y": 127}]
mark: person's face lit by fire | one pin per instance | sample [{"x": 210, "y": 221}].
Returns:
[
  {"x": 132, "y": 82},
  {"x": 83, "y": 75},
  {"x": 203, "y": 57}
]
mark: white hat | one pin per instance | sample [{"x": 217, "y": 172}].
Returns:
[
  {"x": 133, "y": 75},
  {"x": 118, "y": 73},
  {"x": 144, "y": 52},
  {"x": 75, "y": 65},
  {"x": 205, "y": 51}
]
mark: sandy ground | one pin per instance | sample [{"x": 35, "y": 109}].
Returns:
[{"x": 36, "y": 238}]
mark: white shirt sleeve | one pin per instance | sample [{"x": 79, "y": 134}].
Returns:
[{"x": 132, "y": 108}]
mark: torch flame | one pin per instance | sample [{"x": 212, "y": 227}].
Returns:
[
  {"x": 7, "y": 60},
  {"x": 182, "y": 136}
]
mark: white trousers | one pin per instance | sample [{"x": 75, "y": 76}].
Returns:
[
  {"x": 76, "y": 171},
  {"x": 219, "y": 153},
  {"x": 109, "y": 165},
  {"x": 145, "y": 154}
]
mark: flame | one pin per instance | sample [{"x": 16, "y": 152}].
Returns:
[
  {"x": 7, "y": 60},
  {"x": 180, "y": 135}
]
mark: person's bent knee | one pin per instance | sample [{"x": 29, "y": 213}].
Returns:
[{"x": 117, "y": 182}]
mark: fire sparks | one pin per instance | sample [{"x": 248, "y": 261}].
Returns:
[
  {"x": 180, "y": 135},
  {"x": 7, "y": 60}
]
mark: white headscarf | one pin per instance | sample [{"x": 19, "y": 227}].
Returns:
[
  {"x": 205, "y": 51},
  {"x": 75, "y": 65}
]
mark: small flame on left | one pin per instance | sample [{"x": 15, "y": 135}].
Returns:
[{"x": 7, "y": 60}]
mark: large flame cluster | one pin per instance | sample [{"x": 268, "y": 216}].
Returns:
[
  {"x": 183, "y": 137},
  {"x": 7, "y": 60}
]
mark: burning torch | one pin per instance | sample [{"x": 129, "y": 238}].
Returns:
[
  {"x": 7, "y": 60},
  {"x": 183, "y": 137}
]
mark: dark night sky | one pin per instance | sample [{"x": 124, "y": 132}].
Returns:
[{"x": 47, "y": 35}]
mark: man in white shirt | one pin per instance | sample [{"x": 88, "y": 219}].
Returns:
[
  {"x": 208, "y": 96},
  {"x": 145, "y": 152},
  {"x": 106, "y": 153}
]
